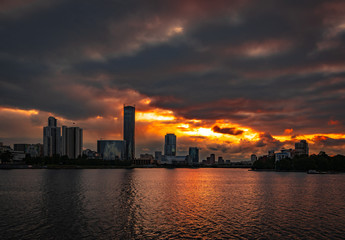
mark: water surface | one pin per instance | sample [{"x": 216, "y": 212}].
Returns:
[{"x": 170, "y": 204}]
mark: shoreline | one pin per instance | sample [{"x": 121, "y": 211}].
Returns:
[
  {"x": 25, "y": 166},
  {"x": 80, "y": 167}
]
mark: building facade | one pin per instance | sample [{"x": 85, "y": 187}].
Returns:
[
  {"x": 301, "y": 148},
  {"x": 111, "y": 149},
  {"x": 175, "y": 160},
  {"x": 170, "y": 145},
  {"x": 51, "y": 138},
  {"x": 158, "y": 157},
  {"x": 129, "y": 131},
  {"x": 253, "y": 158},
  {"x": 220, "y": 160},
  {"x": 72, "y": 142},
  {"x": 194, "y": 155},
  {"x": 284, "y": 153},
  {"x": 20, "y": 147}
]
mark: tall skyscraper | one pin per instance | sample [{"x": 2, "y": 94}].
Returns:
[
  {"x": 170, "y": 145},
  {"x": 72, "y": 142},
  {"x": 129, "y": 131},
  {"x": 52, "y": 122},
  {"x": 51, "y": 138},
  {"x": 194, "y": 154}
]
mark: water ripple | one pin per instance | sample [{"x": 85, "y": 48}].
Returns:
[{"x": 170, "y": 204}]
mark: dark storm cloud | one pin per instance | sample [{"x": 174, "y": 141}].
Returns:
[
  {"x": 269, "y": 65},
  {"x": 329, "y": 142},
  {"x": 266, "y": 140},
  {"x": 226, "y": 130}
]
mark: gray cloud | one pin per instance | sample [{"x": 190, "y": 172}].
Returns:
[{"x": 270, "y": 66}]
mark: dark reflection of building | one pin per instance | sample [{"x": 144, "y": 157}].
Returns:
[
  {"x": 129, "y": 131},
  {"x": 62, "y": 208},
  {"x": 88, "y": 204},
  {"x": 112, "y": 208},
  {"x": 126, "y": 214}
]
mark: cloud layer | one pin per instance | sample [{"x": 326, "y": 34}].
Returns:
[{"x": 267, "y": 66}]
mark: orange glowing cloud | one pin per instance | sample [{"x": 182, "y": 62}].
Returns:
[
  {"x": 155, "y": 115},
  {"x": 160, "y": 122},
  {"x": 20, "y": 111},
  {"x": 333, "y": 122},
  {"x": 288, "y": 131}
]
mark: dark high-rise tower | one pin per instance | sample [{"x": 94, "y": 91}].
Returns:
[
  {"x": 170, "y": 145},
  {"x": 194, "y": 155},
  {"x": 129, "y": 131}
]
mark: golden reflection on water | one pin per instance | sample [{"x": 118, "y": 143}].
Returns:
[{"x": 171, "y": 204}]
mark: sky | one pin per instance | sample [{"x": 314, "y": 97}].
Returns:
[{"x": 231, "y": 77}]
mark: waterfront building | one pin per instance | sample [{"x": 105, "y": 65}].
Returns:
[
  {"x": 90, "y": 154},
  {"x": 253, "y": 158},
  {"x": 284, "y": 153},
  {"x": 18, "y": 156},
  {"x": 32, "y": 150},
  {"x": 158, "y": 157},
  {"x": 301, "y": 148},
  {"x": 220, "y": 160},
  {"x": 51, "y": 138},
  {"x": 271, "y": 153},
  {"x": 111, "y": 149},
  {"x": 72, "y": 142},
  {"x": 194, "y": 155},
  {"x": 5, "y": 148},
  {"x": 212, "y": 159},
  {"x": 20, "y": 147},
  {"x": 129, "y": 132},
  {"x": 170, "y": 145},
  {"x": 175, "y": 160},
  {"x": 145, "y": 159}
]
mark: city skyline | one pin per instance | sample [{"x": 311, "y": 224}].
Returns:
[{"x": 231, "y": 77}]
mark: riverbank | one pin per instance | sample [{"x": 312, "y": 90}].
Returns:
[{"x": 25, "y": 166}]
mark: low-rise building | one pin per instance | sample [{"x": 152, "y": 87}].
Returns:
[
  {"x": 174, "y": 160},
  {"x": 111, "y": 149},
  {"x": 220, "y": 160},
  {"x": 91, "y": 154},
  {"x": 284, "y": 153},
  {"x": 145, "y": 159}
]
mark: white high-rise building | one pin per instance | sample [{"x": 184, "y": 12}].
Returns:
[
  {"x": 72, "y": 142},
  {"x": 51, "y": 138}
]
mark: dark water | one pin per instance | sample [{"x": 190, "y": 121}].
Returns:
[{"x": 170, "y": 204}]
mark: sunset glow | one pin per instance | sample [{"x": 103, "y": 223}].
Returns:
[
  {"x": 159, "y": 115},
  {"x": 19, "y": 111}
]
